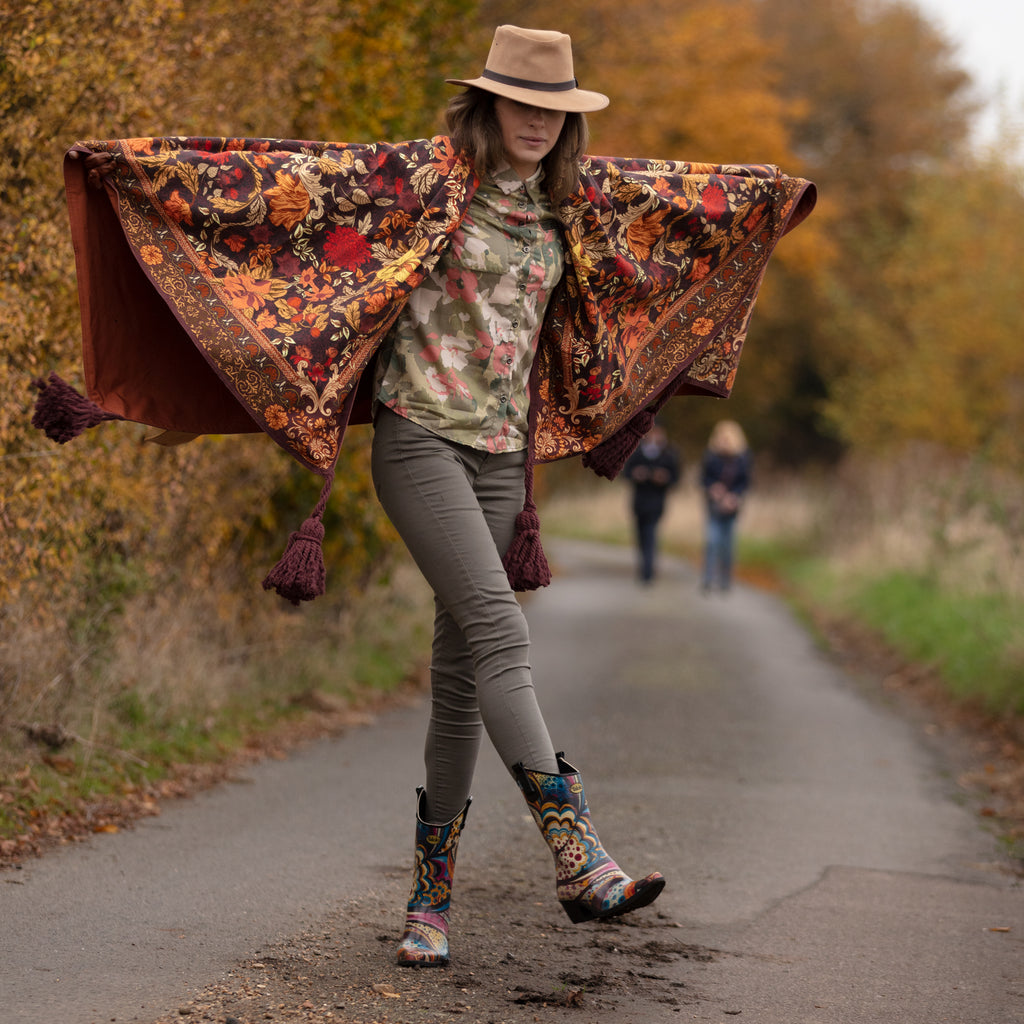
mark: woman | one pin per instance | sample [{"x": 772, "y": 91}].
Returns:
[
  {"x": 488, "y": 298},
  {"x": 449, "y": 448},
  {"x": 725, "y": 477}
]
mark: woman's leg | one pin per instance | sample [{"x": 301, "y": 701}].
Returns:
[
  {"x": 646, "y": 531},
  {"x": 710, "y": 550},
  {"x": 455, "y": 509},
  {"x": 455, "y": 728}
]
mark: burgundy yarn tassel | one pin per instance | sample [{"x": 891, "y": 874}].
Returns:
[
  {"x": 62, "y": 413},
  {"x": 525, "y": 562},
  {"x": 608, "y": 458},
  {"x": 300, "y": 574}
]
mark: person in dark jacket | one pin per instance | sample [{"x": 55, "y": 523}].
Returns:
[
  {"x": 653, "y": 470},
  {"x": 725, "y": 477}
]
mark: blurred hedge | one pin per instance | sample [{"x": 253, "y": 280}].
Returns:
[{"x": 97, "y": 535}]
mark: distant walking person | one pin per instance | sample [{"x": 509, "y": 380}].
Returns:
[
  {"x": 653, "y": 470},
  {"x": 725, "y": 477}
]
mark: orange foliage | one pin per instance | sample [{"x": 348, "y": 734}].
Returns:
[
  {"x": 694, "y": 81},
  {"x": 401, "y": 52},
  {"x": 940, "y": 358},
  {"x": 87, "y": 528}
]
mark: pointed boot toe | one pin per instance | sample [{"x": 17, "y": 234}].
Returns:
[{"x": 589, "y": 883}]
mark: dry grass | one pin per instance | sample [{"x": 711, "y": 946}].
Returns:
[
  {"x": 932, "y": 514},
  {"x": 924, "y": 512},
  {"x": 784, "y": 509},
  {"x": 107, "y": 707}
]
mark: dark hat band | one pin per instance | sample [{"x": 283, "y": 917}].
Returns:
[{"x": 525, "y": 83}]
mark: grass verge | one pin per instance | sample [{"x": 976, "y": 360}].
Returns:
[
  {"x": 138, "y": 734},
  {"x": 974, "y": 643}
]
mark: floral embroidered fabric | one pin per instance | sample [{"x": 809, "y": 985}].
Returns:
[{"x": 272, "y": 270}]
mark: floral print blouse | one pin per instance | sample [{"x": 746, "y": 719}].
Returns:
[{"x": 458, "y": 359}]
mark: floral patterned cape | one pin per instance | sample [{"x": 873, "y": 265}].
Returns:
[{"x": 232, "y": 285}]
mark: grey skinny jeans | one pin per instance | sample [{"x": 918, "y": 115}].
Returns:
[{"x": 455, "y": 509}]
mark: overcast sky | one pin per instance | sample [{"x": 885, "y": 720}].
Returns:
[{"x": 990, "y": 34}]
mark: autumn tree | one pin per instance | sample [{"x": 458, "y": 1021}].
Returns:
[
  {"x": 378, "y": 72},
  {"x": 702, "y": 81},
  {"x": 938, "y": 353},
  {"x": 108, "y": 520},
  {"x": 884, "y": 95},
  {"x": 883, "y": 102}
]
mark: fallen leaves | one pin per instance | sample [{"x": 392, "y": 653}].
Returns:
[
  {"x": 53, "y": 736},
  {"x": 75, "y": 821}
]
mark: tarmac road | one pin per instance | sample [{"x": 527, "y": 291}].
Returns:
[{"x": 823, "y": 867}]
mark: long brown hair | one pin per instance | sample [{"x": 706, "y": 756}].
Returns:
[{"x": 473, "y": 127}]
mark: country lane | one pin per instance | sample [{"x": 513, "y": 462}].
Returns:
[{"x": 823, "y": 866}]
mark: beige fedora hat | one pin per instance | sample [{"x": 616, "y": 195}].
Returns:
[{"x": 535, "y": 67}]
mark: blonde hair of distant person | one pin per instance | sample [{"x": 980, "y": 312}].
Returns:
[{"x": 727, "y": 438}]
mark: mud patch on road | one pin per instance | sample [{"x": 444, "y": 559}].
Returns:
[{"x": 533, "y": 968}]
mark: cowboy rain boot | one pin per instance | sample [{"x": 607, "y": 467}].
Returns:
[
  {"x": 425, "y": 939},
  {"x": 588, "y": 882}
]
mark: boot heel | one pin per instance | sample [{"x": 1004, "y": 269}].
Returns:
[{"x": 578, "y": 912}]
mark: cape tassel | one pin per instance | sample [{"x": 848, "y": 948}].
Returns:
[
  {"x": 525, "y": 562},
  {"x": 300, "y": 574},
  {"x": 608, "y": 458},
  {"x": 62, "y": 413}
]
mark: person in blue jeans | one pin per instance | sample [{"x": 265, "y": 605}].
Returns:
[
  {"x": 653, "y": 470},
  {"x": 725, "y": 478}
]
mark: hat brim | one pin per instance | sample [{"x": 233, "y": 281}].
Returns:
[{"x": 572, "y": 101}]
